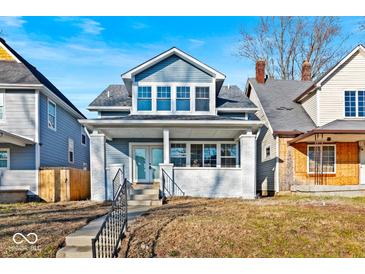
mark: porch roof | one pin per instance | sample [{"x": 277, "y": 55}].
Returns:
[
  {"x": 11, "y": 138},
  {"x": 343, "y": 130}
]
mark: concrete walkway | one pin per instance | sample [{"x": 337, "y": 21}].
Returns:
[{"x": 78, "y": 244}]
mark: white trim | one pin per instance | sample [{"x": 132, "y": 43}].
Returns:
[
  {"x": 55, "y": 117},
  {"x": 216, "y": 74},
  {"x": 3, "y": 94},
  {"x": 9, "y": 52},
  {"x": 37, "y": 138},
  {"x": 7, "y": 159},
  {"x": 321, "y": 153},
  {"x": 239, "y": 110},
  {"x": 318, "y": 107},
  {"x": 23, "y": 86},
  {"x": 277, "y": 166}
]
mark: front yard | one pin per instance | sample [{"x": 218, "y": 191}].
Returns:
[
  {"x": 51, "y": 222},
  {"x": 288, "y": 226}
]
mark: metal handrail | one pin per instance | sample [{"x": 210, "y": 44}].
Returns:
[
  {"x": 107, "y": 240},
  {"x": 170, "y": 186}
]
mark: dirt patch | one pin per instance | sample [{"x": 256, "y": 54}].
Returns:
[
  {"x": 51, "y": 222},
  {"x": 288, "y": 226}
]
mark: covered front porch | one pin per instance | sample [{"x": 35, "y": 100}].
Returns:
[
  {"x": 329, "y": 162},
  {"x": 202, "y": 158}
]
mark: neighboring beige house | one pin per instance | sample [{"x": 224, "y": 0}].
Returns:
[{"x": 314, "y": 134}]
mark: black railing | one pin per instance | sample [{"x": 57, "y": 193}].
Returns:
[
  {"x": 107, "y": 240},
  {"x": 117, "y": 181},
  {"x": 169, "y": 187}
]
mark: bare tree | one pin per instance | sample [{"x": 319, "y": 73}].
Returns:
[{"x": 285, "y": 42}]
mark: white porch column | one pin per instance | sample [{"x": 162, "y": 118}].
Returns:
[
  {"x": 166, "y": 146},
  {"x": 97, "y": 167},
  {"x": 248, "y": 164}
]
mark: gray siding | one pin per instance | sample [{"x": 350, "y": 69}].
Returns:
[
  {"x": 20, "y": 112},
  {"x": 54, "y": 144},
  {"x": 173, "y": 69},
  {"x": 21, "y": 157}
]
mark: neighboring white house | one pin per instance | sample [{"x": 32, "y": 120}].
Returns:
[{"x": 173, "y": 117}]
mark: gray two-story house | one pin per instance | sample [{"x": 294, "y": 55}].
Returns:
[
  {"x": 38, "y": 125},
  {"x": 173, "y": 117}
]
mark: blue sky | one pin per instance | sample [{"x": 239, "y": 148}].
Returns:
[{"x": 82, "y": 55}]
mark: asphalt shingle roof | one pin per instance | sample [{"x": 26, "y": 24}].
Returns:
[
  {"x": 276, "y": 97},
  {"x": 342, "y": 124},
  {"x": 117, "y": 95},
  {"x": 24, "y": 73},
  {"x": 176, "y": 117}
]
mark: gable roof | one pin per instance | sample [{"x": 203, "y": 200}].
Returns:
[
  {"x": 231, "y": 97},
  {"x": 168, "y": 53},
  {"x": 22, "y": 72},
  {"x": 318, "y": 82},
  {"x": 276, "y": 98},
  {"x": 113, "y": 96}
]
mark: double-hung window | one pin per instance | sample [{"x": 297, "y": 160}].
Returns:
[
  {"x": 4, "y": 158},
  {"x": 144, "y": 99},
  {"x": 202, "y": 99},
  {"x": 2, "y": 105},
  {"x": 178, "y": 155},
  {"x": 203, "y": 155},
  {"x": 322, "y": 159},
  {"x": 51, "y": 115},
  {"x": 183, "y": 98},
  {"x": 228, "y": 155},
  {"x": 71, "y": 151},
  {"x": 163, "y": 98},
  {"x": 355, "y": 103},
  {"x": 83, "y": 136}
]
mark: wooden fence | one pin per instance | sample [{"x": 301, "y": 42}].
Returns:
[{"x": 64, "y": 184}]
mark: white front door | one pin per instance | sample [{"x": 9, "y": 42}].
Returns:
[
  {"x": 362, "y": 163},
  {"x": 146, "y": 163}
]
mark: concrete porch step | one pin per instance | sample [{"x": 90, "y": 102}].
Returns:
[
  {"x": 146, "y": 186},
  {"x": 155, "y": 191},
  {"x": 74, "y": 252},
  {"x": 145, "y": 202},
  {"x": 139, "y": 197}
]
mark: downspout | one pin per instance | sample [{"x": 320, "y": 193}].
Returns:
[{"x": 276, "y": 178}]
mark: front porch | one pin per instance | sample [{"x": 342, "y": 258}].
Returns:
[{"x": 202, "y": 159}]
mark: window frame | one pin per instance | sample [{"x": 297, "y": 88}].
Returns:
[
  {"x": 228, "y": 157},
  {"x": 179, "y": 157},
  {"x": 2, "y": 94},
  {"x": 199, "y": 98},
  {"x": 7, "y": 158},
  {"x": 83, "y": 133},
  {"x": 267, "y": 156},
  {"x": 69, "y": 150},
  {"x": 144, "y": 98},
  {"x": 357, "y": 116},
  {"x": 49, "y": 101},
  {"x": 182, "y": 98},
  {"x": 321, "y": 157},
  {"x": 163, "y": 98}
]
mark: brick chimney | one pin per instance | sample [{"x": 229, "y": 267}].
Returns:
[
  {"x": 260, "y": 71},
  {"x": 306, "y": 71}
]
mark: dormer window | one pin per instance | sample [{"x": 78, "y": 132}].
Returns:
[
  {"x": 144, "y": 99},
  {"x": 183, "y": 98},
  {"x": 202, "y": 99},
  {"x": 163, "y": 98}
]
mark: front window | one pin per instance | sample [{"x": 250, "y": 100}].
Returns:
[
  {"x": 2, "y": 105},
  {"x": 228, "y": 155},
  {"x": 183, "y": 98},
  {"x": 210, "y": 155},
  {"x": 71, "y": 151},
  {"x": 322, "y": 159},
  {"x": 178, "y": 155},
  {"x": 361, "y": 103},
  {"x": 202, "y": 99},
  {"x": 144, "y": 99},
  {"x": 51, "y": 115},
  {"x": 196, "y": 155},
  {"x": 163, "y": 98},
  {"x": 4, "y": 158}
]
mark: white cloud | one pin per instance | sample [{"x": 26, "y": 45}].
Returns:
[
  {"x": 90, "y": 26},
  {"x": 13, "y": 21},
  {"x": 196, "y": 43}
]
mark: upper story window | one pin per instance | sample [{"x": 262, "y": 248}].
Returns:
[
  {"x": 144, "y": 99},
  {"x": 163, "y": 98},
  {"x": 4, "y": 158},
  {"x": 71, "y": 151},
  {"x": 83, "y": 136},
  {"x": 183, "y": 98},
  {"x": 202, "y": 98},
  {"x": 51, "y": 115},
  {"x": 2, "y": 105},
  {"x": 354, "y": 103}
]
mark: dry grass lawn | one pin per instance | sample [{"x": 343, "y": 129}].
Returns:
[
  {"x": 51, "y": 222},
  {"x": 288, "y": 226}
]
